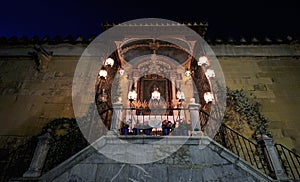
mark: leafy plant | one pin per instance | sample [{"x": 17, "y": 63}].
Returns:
[
  {"x": 60, "y": 127},
  {"x": 167, "y": 124},
  {"x": 243, "y": 114},
  {"x": 125, "y": 125},
  {"x": 67, "y": 140}
]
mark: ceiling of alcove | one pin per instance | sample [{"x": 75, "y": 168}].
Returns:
[{"x": 148, "y": 46}]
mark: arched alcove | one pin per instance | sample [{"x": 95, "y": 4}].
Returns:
[{"x": 144, "y": 72}]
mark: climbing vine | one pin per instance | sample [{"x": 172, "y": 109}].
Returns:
[{"x": 243, "y": 114}]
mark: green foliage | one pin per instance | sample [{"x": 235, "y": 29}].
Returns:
[
  {"x": 125, "y": 125},
  {"x": 67, "y": 140},
  {"x": 242, "y": 107},
  {"x": 167, "y": 124},
  {"x": 59, "y": 127}
]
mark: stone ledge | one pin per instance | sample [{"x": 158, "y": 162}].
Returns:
[
  {"x": 275, "y": 50},
  {"x": 213, "y": 151}
]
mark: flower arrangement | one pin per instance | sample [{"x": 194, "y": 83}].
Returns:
[
  {"x": 124, "y": 128},
  {"x": 125, "y": 124},
  {"x": 146, "y": 128},
  {"x": 144, "y": 104},
  {"x": 167, "y": 124},
  {"x": 138, "y": 104}
]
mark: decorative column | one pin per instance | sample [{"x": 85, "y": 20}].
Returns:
[
  {"x": 135, "y": 80},
  {"x": 177, "y": 82},
  {"x": 116, "y": 118},
  {"x": 130, "y": 84},
  {"x": 273, "y": 161},
  {"x": 39, "y": 156},
  {"x": 173, "y": 89},
  {"x": 194, "y": 115}
]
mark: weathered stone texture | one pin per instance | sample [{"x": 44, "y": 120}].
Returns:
[
  {"x": 188, "y": 163},
  {"x": 274, "y": 81},
  {"x": 30, "y": 98}
]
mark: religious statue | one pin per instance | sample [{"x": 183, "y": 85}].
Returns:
[
  {"x": 155, "y": 94},
  {"x": 157, "y": 104}
]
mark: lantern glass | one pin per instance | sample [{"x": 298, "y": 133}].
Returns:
[
  {"x": 208, "y": 97},
  {"x": 103, "y": 73},
  {"x": 132, "y": 95},
  {"x": 203, "y": 61},
  {"x": 210, "y": 73},
  {"x": 109, "y": 62}
]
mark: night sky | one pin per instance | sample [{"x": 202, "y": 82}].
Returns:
[{"x": 57, "y": 17}]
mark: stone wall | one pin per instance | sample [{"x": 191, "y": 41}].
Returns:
[
  {"x": 274, "y": 82},
  {"x": 29, "y": 98}
]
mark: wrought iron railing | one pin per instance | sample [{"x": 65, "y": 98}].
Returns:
[
  {"x": 177, "y": 116},
  {"x": 64, "y": 147},
  {"x": 12, "y": 142},
  {"x": 143, "y": 115},
  {"x": 246, "y": 149},
  {"x": 290, "y": 161},
  {"x": 16, "y": 162}
]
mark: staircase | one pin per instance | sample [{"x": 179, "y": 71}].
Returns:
[{"x": 275, "y": 161}]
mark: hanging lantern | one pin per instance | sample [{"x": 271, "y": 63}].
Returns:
[
  {"x": 210, "y": 73},
  {"x": 208, "y": 97},
  {"x": 132, "y": 95},
  {"x": 109, "y": 62},
  {"x": 203, "y": 61},
  {"x": 103, "y": 74}
]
